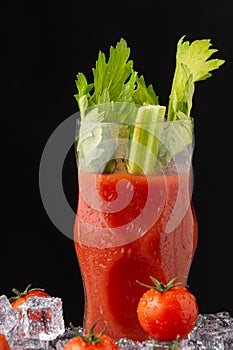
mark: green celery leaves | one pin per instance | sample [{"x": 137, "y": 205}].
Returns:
[
  {"x": 192, "y": 65},
  {"x": 119, "y": 95},
  {"x": 115, "y": 80}
]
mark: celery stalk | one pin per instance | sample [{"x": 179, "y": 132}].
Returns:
[{"x": 144, "y": 140}]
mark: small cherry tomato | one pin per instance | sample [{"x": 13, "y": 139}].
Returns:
[
  {"x": 167, "y": 312},
  {"x": 92, "y": 341}
]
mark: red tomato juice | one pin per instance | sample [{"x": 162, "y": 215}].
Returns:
[{"x": 130, "y": 227}]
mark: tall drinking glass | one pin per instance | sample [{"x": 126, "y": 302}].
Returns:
[{"x": 135, "y": 216}]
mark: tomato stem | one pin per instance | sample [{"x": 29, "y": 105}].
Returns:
[
  {"x": 25, "y": 292},
  {"x": 92, "y": 337},
  {"x": 160, "y": 286},
  {"x": 174, "y": 346}
]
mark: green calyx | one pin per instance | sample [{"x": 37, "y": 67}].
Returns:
[
  {"x": 160, "y": 286},
  {"x": 92, "y": 337},
  {"x": 25, "y": 292}
]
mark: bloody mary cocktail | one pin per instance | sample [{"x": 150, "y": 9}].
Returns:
[
  {"x": 135, "y": 217},
  {"x": 113, "y": 252}
]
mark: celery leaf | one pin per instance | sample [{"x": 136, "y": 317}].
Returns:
[
  {"x": 83, "y": 91},
  {"x": 145, "y": 95},
  {"x": 110, "y": 78},
  {"x": 192, "y": 65}
]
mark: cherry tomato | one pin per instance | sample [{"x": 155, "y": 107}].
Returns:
[
  {"x": 167, "y": 312},
  {"x": 4, "y": 345},
  {"x": 20, "y": 298},
  {"x": 92, "y": 341}
]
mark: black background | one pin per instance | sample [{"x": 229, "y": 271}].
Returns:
[{"x": 47, "y": 44}]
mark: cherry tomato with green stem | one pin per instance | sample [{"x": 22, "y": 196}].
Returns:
[
  {"x": 167, "y": 312},
  {"x": 92, "y": 341}
]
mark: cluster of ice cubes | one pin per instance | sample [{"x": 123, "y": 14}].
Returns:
[
  {"x": 39, "y": 324},
  {"x": 211, "y": 332}
]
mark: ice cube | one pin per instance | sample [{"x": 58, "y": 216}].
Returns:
[
  {"x": 41, "y": 318},
  {"x": 228, "y": 341},
  {"x": 213, "y": 331},
  {"x": 188, "y": 344},
  {"x": 17, "y": 343},
  {"x": 8, "y": 316},
  {"x": 218, "y": 321},
  {"x": 127, "y": 344}
]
